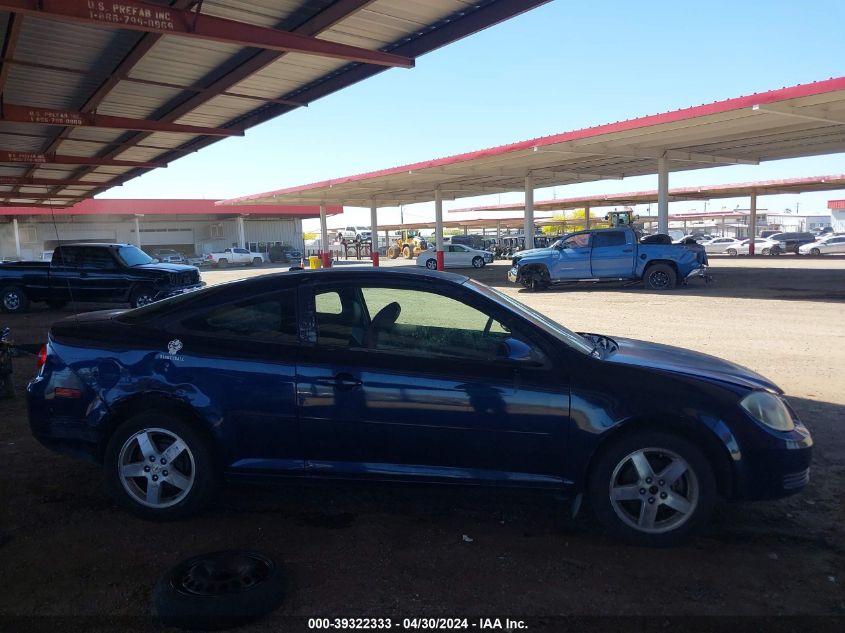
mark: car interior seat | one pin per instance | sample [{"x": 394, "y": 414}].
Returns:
[{"x": 381, "y": 322}]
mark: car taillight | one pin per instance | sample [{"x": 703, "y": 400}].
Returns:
[
  {"x": 42, "y": 356},
  {"x": 209, "y": 256}
]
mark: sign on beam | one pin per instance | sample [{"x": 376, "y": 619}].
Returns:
[
  {"x": 48, "y": 182},
  {"x": 153, "y": 18},
  {"x": 32, "y": 158},
  {"x": 67, "y": 118}
]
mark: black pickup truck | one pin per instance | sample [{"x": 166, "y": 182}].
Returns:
[{"x": 107, "y": 273}]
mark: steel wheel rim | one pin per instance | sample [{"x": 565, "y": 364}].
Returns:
[
  {"x": 222, "y": 573},
  {"x": 11, "y": 300},
  {"x": 654, "y": 490},
  {"x": 156, "y": 468},
  {"x": 659, "y": 279}
]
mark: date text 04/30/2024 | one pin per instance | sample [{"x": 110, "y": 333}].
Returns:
[{"x": 430, "y": 624}]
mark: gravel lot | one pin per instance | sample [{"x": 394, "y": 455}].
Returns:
[{"x": 389, "y": 551}]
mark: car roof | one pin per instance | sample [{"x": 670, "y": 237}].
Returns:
[{"x": 101, "y": 244}]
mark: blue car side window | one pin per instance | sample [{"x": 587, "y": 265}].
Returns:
[{"x": 270, "y": 318}]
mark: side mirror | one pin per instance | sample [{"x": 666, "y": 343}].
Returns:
[{"x": 514, "y": 350}]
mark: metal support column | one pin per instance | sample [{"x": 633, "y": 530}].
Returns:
[
  {"x": 752, "y": 222},
  {"x": 374, "y": 233},
  {"x": 529, "y": 210},
  {"x": 241, "y": 232},
  {"x": 586, "y": 216},
  {"x": 438, "y": 226},
  {"x": 498, "y": 231},
  {"x": 662, "y": 195},
  {"x": 17, "y": 238},
  {"x": 325, "y": 248}
]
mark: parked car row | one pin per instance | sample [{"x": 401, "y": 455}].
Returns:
[{"x": 778, "y": 244}]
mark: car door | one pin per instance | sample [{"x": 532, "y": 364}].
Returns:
[
  {"x": 834, "y": 245},
  {"x": 101, "y": 278},
  {"x": 237, "y": 358},
  {"x": 573, "y": 258},
  {"x": 612, "y": 254},
  {"x": 460, "y": 255},
  {"x": 404, "y": 382}
]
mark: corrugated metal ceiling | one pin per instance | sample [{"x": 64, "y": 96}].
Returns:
[{"x": 65, "y": 65}]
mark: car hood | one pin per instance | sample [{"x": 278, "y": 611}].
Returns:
[
  {"x": 535, "y": 252},
  {"x": 167, "y": 267},
  {"x": 683, "y": 361}
]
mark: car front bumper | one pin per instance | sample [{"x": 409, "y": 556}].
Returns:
[{"x": 513, "y": 275}]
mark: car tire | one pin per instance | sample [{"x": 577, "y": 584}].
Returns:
[
  {"x": 13, "y": 300},
  {"x": 56, "y": 304},
  {"x": 222, "y": 262},
  {"x": 766, "y": 251},
  {"x": 139, "y": 446},
  {"x": 257, "y": 261},
  {"x": 478, "y": 262},
  {"x": 431, "y": 264},
  {"x": 654, "y": 517},
  {"x": 141, "y": 296},
  {"x": 660, "y": 277},
  {"x": 732, "y": 252},
  {"x": 219, "y": 590},
  {"x": 536, "y": 279},
  {"x": 815, "y": 252}
]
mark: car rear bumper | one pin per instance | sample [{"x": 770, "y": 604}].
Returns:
[{"x": 701, "y": 272}]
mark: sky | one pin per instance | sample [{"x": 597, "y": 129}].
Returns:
[{"x": 563, "y": 66}]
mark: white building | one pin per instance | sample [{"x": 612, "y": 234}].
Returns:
[{"x": 189, "y": 226}]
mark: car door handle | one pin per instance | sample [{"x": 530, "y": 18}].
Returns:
[
  {"x": 341, "y": 382},
  {"x": 627, "y": 250}
]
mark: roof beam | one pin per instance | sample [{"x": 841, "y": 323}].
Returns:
[
  {"x": 8, "y": 195},
  {"x": 31, "y": 158},
  {"x": 602, "y": 149},
  {"x": 13, "y": 31},
  {"x": 68, "y": 118},
  {"x": 809, "y": 114},
  {"x": 47, "y": 182},
  {"x": 135, "y": 15},
  {"x": 39, "y": 205}
]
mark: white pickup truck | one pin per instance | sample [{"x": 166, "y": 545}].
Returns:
[{"x": 230, "y": 256}]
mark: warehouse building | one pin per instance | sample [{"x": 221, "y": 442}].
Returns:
[{"x": 193, "y": 227}]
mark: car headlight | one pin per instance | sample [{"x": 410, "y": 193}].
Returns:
[{"x": 768, "y": 409}]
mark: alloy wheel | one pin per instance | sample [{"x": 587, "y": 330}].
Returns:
[
  {"x": 658, "y": 279},
  {"x": 11, "y": 301},
  {"x": 654, "y": 490},
  {"x": 156, "y": 468}
]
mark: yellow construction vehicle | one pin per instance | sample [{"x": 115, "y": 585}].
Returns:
[{"x": 408, "y": 245}]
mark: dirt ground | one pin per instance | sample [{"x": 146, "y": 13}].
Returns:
[{"x": 387, "y": 551}]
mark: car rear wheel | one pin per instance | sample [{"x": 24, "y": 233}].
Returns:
[
  {"x": 141, "y": 296},
  {"x": 478, "y": 262},
  {"x": 731, "y": 252},
  {"x": 222, "y": 262},
  {"x": 13, "y": 299},
  {"x": 159, "y": 467},
  {"x": 431, "y": 264},
  {"x": 660, "y": 277},
  {"x": 652, "y": 488},
  {"x": 257, "y": 261},
  {"x": 767, "y": 251}
]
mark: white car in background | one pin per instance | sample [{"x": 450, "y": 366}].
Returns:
[
  {"x": 762, "y": 246},
  {"x": 832, "y": 244},
  {"x": 355, "y": 233},
  {"x": 720, "y": 245},
  {"x": 234, "y": 256},
  {"x": 455, "y": 256}
]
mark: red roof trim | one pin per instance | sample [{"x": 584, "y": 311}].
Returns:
[
  {"x": 737, "y": 103},
  {"x": 99, "y": 206}
]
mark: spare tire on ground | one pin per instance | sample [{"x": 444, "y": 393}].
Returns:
[{"x": 218, "y": 590}]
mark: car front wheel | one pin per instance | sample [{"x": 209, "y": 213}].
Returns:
[
  {"x": 142, "y": 296},
  {"x": 431, "y": 264},
  {"x": 13, "y": 299},
  {"x": 816, "y": 252},
  {"x": 652, "y": 488},
  {"x": 478, "y": 262},
  {"x": 159, "y": 467}
]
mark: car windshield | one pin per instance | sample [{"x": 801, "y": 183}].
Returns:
[
  {"x": 567, "y": 337},
  {"x": 133, "y": 256}
]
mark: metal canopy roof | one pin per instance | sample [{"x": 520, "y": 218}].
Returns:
[
  {"x": 803, "y": 120},
  {"x": 94, "y": 94},
  {"x": 148, "y": 206},
  {"x": 708, "y": 192}
]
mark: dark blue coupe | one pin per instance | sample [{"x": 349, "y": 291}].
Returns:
[{"x": 414, "y": 376}]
